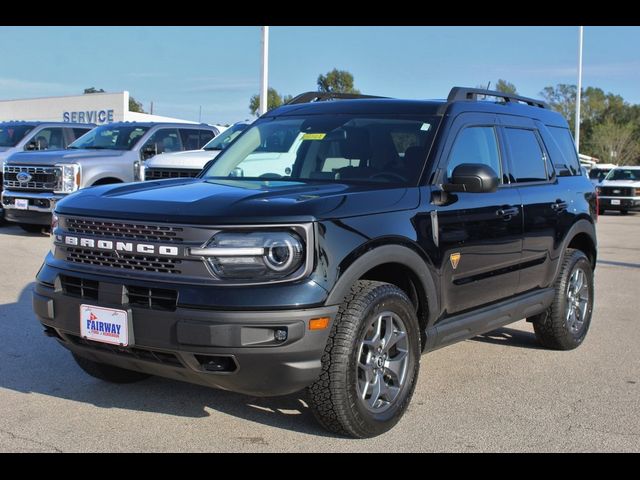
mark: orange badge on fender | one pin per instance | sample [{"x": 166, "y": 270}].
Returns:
[{"x": 455, "y": 259}]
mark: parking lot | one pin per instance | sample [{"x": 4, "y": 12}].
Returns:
[{"x": 497, "y": 392}]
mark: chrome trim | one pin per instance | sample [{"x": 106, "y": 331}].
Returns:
[
  {"x": 227, "y": 252},
  {"x": 602, "y": 197},
  {"x": 53, "y": 199}
]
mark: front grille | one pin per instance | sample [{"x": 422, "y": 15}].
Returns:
[
  {"x": 131, "y": 352},
  {"x": 152, "y": 298},
  {"x": 131, "y": 231},
  {"x": 42, "y": 178},
  {"x": 160, "y": 173},
  {"x": 79, "y": 287},
  {"x": 617, "y": 191},
  {"x": 145, "y": 263}
]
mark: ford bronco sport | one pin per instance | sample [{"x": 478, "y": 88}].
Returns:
[{"x": 403, "y": 226}]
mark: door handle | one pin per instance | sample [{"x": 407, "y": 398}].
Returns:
[
  {"x": 507, "y": 213},
  {"x": 559, "y": 206}
]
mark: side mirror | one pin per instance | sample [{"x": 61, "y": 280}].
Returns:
[
  {"x": 32, "y": 145},
  {"x": 149, "y": 151},
  {"x": 473, "y": 178}
]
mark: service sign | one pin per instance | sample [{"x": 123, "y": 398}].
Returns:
[{"x": 106, "y": 325}]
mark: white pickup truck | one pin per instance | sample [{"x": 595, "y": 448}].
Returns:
[{"x": 620, "y": 190}]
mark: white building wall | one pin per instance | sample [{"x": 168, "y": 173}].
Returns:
[{"x": 98, "y": 108}]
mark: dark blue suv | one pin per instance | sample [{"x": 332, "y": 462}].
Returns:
[{"x": 396, "y": 227}]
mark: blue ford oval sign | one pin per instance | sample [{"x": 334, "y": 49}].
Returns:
[{"x": 23, "y": 177}]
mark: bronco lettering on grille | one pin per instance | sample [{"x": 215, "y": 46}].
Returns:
[{"x": 118, "y": 246}]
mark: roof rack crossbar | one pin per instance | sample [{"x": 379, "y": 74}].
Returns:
[
  {"x": 464, "y": 93},
  {"x": 309, "y": 97}
]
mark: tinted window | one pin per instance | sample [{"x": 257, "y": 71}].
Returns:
[
  {"x": 166, "y": 140},
  {"x": 527, "y": 158},
  {"x": 78, "y": 132},
  {"x": 598, "y": 174},
  {"x": 205, "y": 137},
  {"x": 190, "y": 139},
  {"x": 563, "y": 139},
  {"x": 49, "y": 139},
  {"x": 10, "y": 135},
  {"x": 475, "y": 145}
]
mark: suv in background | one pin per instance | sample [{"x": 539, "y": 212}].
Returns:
[
  {"x": 19, "y": 136},
  {"x": 114, "y": 153},
  {"x": 620, "y": 190},
  {"x": 403, "y": 226},
  {"x": 189, "y": 163}
]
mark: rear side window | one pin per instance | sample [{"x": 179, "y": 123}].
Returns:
[
  {"x": 563, "y": 139},
  {"x": 205, "y": 137},
  {"x": 475, "y": 145},
  {"x": 528, "y": 161},
  {"x": 190, "y": 139},
  {"x": 78, "y": 132}
]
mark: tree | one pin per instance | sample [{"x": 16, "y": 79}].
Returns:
[
  {"x": 336, "y": 81},
  {"x": 615, "y": 143},
  {"x": 274, "y": 100},
  {"x": 506, "y": 87},
  {"x": 562, "y": 98},
  {"x": 134, "y": 105}
]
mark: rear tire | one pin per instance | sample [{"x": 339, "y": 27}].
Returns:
[
  {"x": 565, "y": 324},
  {"x": 370, "y": 364},
  {"x": 109, "y": 373},
  {"x": 624, "y": 212}
]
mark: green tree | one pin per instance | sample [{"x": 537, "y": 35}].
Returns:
[
  {"x": 93, "y": 90},
  {"x": 274, "y": 100},
  {"x": 616, "y": 143},
  {"x": 506, "y": 87},
  {"x": 337, "y": 81},
  {"x": 562, "y": 98}
]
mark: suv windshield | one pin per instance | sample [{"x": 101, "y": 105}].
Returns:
[
  {"x": 226, "y": 137},
  {"x": 624, "y": 174},
  {"x": 332, "y": 148},
  {"x": 109, "y": 137},
  {"x": 10, "y": 135}
]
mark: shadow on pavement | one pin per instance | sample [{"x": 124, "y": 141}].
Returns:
[
  {"x": 510, "y": 337},
  {"x": 30, "y": 362}
]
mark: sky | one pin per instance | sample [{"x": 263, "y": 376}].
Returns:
[{"x": 183, "y": 69}]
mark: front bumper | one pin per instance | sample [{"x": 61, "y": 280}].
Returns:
[
  {"x": 38, "y": 212},
  {"x": 185, "y": 344},
  {"x": 625, "y": 203}
]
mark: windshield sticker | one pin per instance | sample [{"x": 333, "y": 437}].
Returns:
[
  {"x": 425, "y": 127},
  {"x": 313, "y": 136}
]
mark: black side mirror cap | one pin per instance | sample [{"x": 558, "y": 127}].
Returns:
[
  {"x": 473, "y": 178},
  {"x": 32, "y": 145}
]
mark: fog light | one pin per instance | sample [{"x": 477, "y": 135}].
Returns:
[{"x": 280, "y": 335}]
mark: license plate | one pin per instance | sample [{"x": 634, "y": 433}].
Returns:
[
  {"x": 22, "y": 204},
  {"x": 106, "y": 325},
  {"x": 615, "y": 202}
]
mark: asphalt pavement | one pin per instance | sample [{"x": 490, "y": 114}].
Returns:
[{"x": 496, "y": 392}]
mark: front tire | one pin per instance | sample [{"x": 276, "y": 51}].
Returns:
[
  {"x": 109, "y": 373},
  {"x": 565, "y": 324},
  {"x": 370, "y": 364}
]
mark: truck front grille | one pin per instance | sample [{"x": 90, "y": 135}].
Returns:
[
  {"x": 617, "y": 191},
  {"x": 133, "y": 352},
  {"x": 43, "y": 179},
  {"x": 145, "y": 263},
  {"x": 160, "y": 173},
  {"x": 132, "y": 231},
  {"x": 152, "y": 298},
  {"x": 79, "y": 287}
]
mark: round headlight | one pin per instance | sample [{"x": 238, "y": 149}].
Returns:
[{"x": 282, "y": 253}]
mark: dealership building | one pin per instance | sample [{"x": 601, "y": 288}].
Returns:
[{"x": 98, "y": 108}]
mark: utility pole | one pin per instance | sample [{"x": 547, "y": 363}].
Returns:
[
  {"x": 264, "y": 84},
  {"x": 151, "y": 109},
  {"x": 579, "y": 92}
]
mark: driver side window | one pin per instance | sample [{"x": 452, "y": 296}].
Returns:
[{"x": 475, "y": 145}]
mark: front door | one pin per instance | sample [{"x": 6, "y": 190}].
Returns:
[{"x": 479, "y": 234}]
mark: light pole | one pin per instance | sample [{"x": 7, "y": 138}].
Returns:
[
  {"x": 264, "y": 83},
  {"x": 579, "y": 92}
]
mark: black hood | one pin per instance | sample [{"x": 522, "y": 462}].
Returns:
[{"x": 207, "y": 202}]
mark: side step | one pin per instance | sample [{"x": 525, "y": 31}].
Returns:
[{"x": 468, "y": 325}]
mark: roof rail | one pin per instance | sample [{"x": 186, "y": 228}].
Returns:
[
  {"x": 464, "y": 93},
  {"x": 309, "y": 97}
]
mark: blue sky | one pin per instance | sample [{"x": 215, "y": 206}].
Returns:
[{"x": 183, "y": 68}]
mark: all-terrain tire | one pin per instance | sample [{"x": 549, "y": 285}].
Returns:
[
  {"x": 552, "y": 328},
  {"x": 333, "y": 397}
]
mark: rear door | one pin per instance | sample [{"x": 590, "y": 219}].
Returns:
[
  {"x": 544, "y": 202},
  {"x": 479, "y": 234}
]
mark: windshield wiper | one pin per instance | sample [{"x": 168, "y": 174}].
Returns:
[{"x": 212, "y": 148}]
